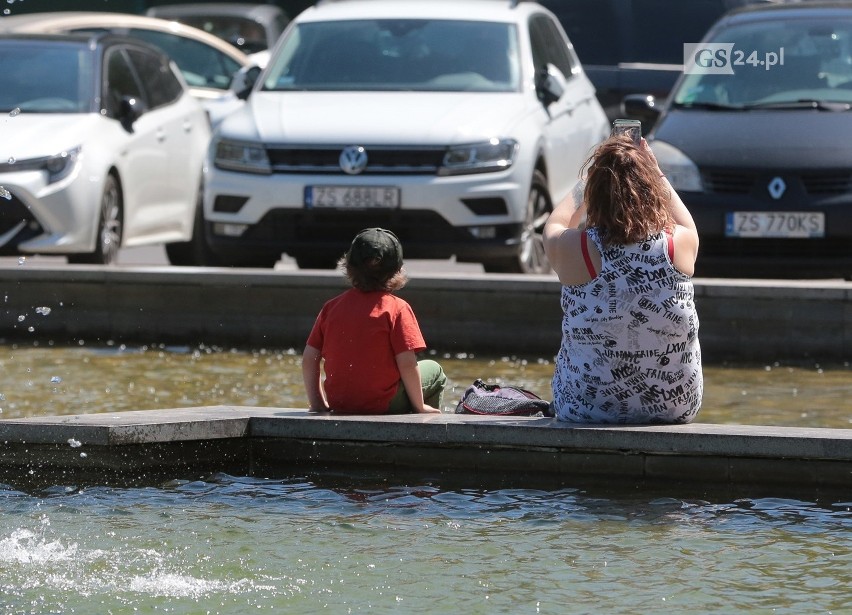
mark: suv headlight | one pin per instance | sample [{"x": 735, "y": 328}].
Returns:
[
  {"x": 242, "y": 156},
  {"x": 493, "y": 155},
  {"x": 682, "y": 173}
]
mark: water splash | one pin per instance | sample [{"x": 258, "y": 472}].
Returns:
[
  {"x": 5, "y": 194},
  {"x": 25, "y": 546},
  {"x": 16, "y": 110},
  {"x": 44, "y": 311},
  {"x": 74, "y": 443}
]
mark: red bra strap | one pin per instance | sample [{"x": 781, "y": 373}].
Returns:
[{"x": 584, "y": 245}]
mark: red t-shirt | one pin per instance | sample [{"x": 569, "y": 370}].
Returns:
[{"x": 359, "y": 335}]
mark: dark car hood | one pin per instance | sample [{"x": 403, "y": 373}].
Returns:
[{"x": 761, "y": 139}]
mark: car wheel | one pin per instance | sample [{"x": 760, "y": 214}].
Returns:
[
  {"x": 530, "y": 257},
  {"x": 110, "y": 227},
  {"x": 195, "y": 252}
]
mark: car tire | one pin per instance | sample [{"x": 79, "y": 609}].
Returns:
[
  {"x": 110, "y": 228},
  {"x": 195, "y": 252},
  {"x": 530, "y": 257}
]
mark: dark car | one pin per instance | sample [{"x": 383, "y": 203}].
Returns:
[
  {"x": 756, "y": 139},
  {"x": 632, "y": 46}
]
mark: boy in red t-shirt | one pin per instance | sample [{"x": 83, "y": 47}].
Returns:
[{"x": 368, "y": 339}]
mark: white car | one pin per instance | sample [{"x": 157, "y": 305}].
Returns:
[
  {"x": 103, "y": 147},
  {"x": 251, "y": 28},
  {"x": 455, "y": 124},
  {"x": 207, "y": 63}
]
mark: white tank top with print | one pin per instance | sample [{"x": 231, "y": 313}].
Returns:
[{"x": 630, "y": 351}]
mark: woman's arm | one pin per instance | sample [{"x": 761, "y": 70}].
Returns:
[
  {"x": 562, "y": 239},
  {"x": 406, "y": 362},
  {"x": 311, "y": 375},
  {"x": 686, "y": 235}
]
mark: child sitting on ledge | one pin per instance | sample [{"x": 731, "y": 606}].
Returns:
[{"x": 367, "y": 339}]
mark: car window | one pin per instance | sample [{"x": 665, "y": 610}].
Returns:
[
  {"x": 161, "y": 85},
  {"x": 549, "y": 46},
  {"x": 200, "y": 64},
  {"x": 120, "y": 82},
  {"x": 45, "y": 78},
  {"x": 815, "y": 64},
  {"x": 398, "y": 54},
  {"x": 243, "y": 33}
]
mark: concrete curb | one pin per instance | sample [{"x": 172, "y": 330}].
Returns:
[
  {"x": 261, "y": 440},
  {"x": 741, "y": 320}
]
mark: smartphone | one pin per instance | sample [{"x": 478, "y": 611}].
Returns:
[{"x": 632, "y": 128}]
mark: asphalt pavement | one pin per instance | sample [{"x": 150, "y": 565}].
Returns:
[{"x": 154, "y": 256}]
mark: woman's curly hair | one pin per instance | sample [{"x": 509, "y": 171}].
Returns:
[{"x": 625, "y": 197}]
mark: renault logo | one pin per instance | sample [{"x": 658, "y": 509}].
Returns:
[
  {"x": 776, "y": 188},
  {"x": 353, "y": 159}
]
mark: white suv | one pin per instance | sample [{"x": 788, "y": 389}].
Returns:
[{"x": 455, "y": 123}]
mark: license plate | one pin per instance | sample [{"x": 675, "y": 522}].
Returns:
[
  {"x": 352, "y": 197},
  {"x": 785, "y": 224}
]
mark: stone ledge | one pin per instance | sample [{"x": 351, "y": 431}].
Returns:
[{"x": 279, "y": 437}]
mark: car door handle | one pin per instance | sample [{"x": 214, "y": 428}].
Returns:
[
  {"x": 187, "y": 126},
  {"x": 161, "y": 135}
]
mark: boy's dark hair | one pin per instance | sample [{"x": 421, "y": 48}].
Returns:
[{"x": 374, "y": 261}]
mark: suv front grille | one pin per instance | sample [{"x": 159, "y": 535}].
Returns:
[
  {"x": 382, "y": 160},
  {"x": 737, "y": 182}
]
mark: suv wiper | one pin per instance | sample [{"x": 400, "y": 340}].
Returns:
[
  {"x": 802, "y": 103},
  {"x": 709, "y": 106}
]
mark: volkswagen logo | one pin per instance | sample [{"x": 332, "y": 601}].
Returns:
[
  {"x": 776, "y": 188},
  {"x": 353, "y": 159}
]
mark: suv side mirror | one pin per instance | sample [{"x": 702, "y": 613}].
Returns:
[
  {"x": 641, "y": 106},
  {"x": 550, "y": 85},
  {"x": 244, "y": 80}
]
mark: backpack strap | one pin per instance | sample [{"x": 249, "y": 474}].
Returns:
[{"x": 584, "y": 246}]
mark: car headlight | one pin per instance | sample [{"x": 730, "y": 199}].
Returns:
[
  {"x": 62, "y": 164},
  {"x": 493, "y": 155},
  {"x": 682, "y": 173},
  {"x": 242, "y": 156},
  {"x": 57, "y": 167}
]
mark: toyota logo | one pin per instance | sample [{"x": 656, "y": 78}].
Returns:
[{"x": 353, "y": 159}]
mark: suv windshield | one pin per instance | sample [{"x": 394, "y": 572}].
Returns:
[
  {"x": 398, "y": 54},
  {"x": 40, "y": 77},
  {"x": 776, "y": 63}
]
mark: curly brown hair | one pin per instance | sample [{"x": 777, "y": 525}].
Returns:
[
  {"x": 370, "y": 279},
  {"x": 626, "y": 199}
]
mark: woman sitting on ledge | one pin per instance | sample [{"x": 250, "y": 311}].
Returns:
[{"x": 629, "y": 351}]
